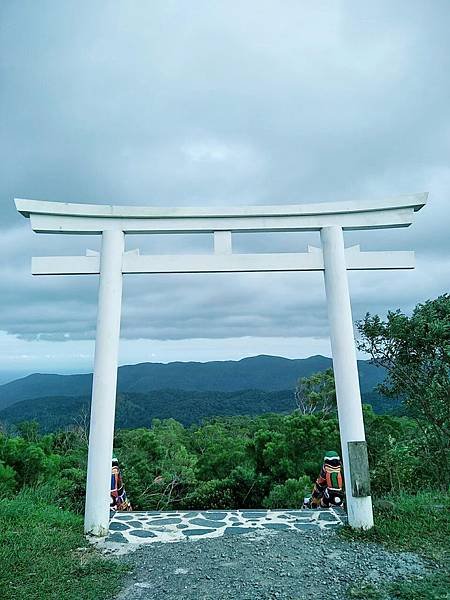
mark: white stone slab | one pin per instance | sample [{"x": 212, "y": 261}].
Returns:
[{"x": 181, "y": 526}]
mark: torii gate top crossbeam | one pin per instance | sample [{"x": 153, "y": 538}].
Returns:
[{"x": 59, "y": 217}]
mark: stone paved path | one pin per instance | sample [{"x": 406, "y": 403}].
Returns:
[{"x": 150, "y": 527}]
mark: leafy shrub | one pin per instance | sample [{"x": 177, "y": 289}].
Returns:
[
  {"x": 214, "y": 494},
  {"x": 289, "y": 494},
  {"x": 248, "y": 487},
  {"x": 69, "y": 489},
  {"x": 7, "y": 480}
]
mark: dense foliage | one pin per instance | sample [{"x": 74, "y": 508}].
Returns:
[
  {"x": 244, "y": 462},
  {"x": 415, "y": 352}
]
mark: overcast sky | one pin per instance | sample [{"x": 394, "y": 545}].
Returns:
[{"x": 216, "y": 103}]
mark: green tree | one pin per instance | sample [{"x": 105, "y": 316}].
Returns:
[
  {"x": 220, "y": 449},
  {"x": 29, "y": 430},
  {"x": 316, "y": 393},
  {"x": 158, "y": 468},
  {"x": 293, "y": 446},
  {"x": 415, "y": 351}
]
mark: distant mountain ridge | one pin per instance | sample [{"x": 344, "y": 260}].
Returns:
[{"x": 264, "y": 373}]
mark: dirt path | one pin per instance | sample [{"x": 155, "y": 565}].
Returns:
[{"x": 262, "y": 565}]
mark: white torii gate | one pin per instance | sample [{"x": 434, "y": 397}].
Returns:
[{"x": 113, "y": 222}]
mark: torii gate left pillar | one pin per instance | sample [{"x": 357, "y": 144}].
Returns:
[
  {"x": 104, "y": 384},
  {"x": 334, "y": 260}
]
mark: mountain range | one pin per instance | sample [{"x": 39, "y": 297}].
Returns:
[{"x": 187, "y": 391}]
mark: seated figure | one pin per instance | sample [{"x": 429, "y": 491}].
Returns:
[
  {"x": 328, "y": 490},
  {"x": 119, "y": 500}
]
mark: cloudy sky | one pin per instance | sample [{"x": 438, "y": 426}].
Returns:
[{"x": 216, "y": 103}]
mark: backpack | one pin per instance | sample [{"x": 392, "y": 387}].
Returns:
[{"x": 333, "y": 478}]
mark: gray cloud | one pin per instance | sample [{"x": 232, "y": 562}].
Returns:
[{"x": 220, "y": 103}]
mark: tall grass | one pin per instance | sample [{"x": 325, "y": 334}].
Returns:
[
  {"x": 419, "y": 524},
  {"x": 44, "y": 555}
]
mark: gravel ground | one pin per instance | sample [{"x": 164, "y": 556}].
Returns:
[{"x": 262, "y": 566}]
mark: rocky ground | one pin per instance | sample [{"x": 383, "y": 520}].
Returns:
[{"x": 263, "y": 565}]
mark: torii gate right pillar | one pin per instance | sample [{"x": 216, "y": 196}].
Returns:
[{"x": 351, "y": 424}]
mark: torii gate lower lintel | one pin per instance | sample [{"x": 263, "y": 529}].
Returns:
[{"x": 333, "y": 259}]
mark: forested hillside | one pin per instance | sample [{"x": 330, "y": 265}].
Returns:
[
  {"x": 266, "y": 373},
  {"x": 138, "y": 410}
]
